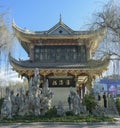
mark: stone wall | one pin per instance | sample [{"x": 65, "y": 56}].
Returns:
[{"x": 61, "y": 94}]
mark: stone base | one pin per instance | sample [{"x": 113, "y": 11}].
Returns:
[{"x": 61, "y": 94}]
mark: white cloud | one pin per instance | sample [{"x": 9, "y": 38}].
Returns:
[{"x": 7, "y": 76}]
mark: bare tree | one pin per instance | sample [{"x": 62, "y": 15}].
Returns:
[
  {"x": 5, "y": 39},
  {"x": 109, "y": 18}
]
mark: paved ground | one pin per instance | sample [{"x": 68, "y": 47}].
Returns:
[{"x": 62, "y": 125}]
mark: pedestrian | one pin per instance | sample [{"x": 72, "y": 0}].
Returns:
[
  {"x": 105, "y": 100},
  {"x": 69, "y": 102}
]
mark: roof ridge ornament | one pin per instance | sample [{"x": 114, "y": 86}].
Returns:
[{"x": 60, "y": 21}]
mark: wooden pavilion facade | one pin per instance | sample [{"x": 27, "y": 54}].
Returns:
[{"x": 62, "y": 55}]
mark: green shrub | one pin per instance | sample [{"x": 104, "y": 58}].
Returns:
[
  {"x": 1, "y": 102},
  {"x": 51, "y": 112},
  {"x": 69, "y": 113},
  {"x": 32, "y": 118},
  {"x": 89, "y": 102},
  {"x": 118, "y": 104}
]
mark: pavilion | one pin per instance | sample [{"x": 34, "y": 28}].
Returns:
[{"x": 63, "y": 56}]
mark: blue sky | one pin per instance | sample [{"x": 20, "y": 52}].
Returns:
[{"x": 43, "y": 14}]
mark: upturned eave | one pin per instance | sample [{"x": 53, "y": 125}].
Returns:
[
  {"x": 27, "y": 35},
  {"x": 93, "y": 67}
]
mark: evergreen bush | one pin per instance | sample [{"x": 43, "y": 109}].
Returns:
[
  {"x": 89, "y": 102},
  {"x": 51, "y": 112},
  {"x": 69, "y": 113},
  {"x": 118, "y": 104},
  {"x": 1, "y": 102}
]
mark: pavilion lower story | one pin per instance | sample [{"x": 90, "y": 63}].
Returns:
[{"x": 63, "y": 77}]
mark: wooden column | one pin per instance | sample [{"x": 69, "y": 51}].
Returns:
[
  {"x": 88, "y": 52},
  {"x": 32, "y": 52}
]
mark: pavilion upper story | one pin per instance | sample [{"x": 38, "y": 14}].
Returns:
[
  {"x": 60, "y": 43},
  {"x": 59, "y": 50}
]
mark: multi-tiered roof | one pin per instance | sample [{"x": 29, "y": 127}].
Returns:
[{"x": 59, "y": 35}]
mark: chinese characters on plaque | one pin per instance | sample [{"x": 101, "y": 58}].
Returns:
[{"x": 61, "y": 82}]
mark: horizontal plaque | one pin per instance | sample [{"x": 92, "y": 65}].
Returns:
[{"x": 61, "y": 82}]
